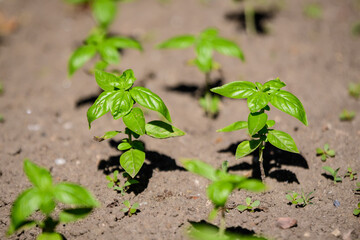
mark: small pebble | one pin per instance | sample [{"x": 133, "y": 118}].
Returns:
[
  {"x": 67, "y": 125},
  {"x": 306, "y": 234},
  {"x": 286, "y": 222},
  {"x": 28, "y": 111},
  {"x": 336, "y": 203},
  {"x": 336, "y": 233},
  {"x": 60, "y": 161},
  {"x": 34, "y": 127}
]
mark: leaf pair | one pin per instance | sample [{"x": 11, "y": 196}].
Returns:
[
  {"x": 205, "y": 44},
  {"x": 44, "y": 195},
  {"x": 130, "y": 209},
  {"x": 249, "y": 205},
  {"x": 222, "y": 183},
  {"x": 107, "y": 47}
]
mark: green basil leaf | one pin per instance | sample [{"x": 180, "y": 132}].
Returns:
[
  {"x": 282, "y": 140},
  {"x": 49, "y": 236},
  {"x": 132, "y": 161},
  {"x": 135, "y": 121},
  {"x": 47, "y": 203},
  {"x": 123, "y": 42},
  {"x": 109, "y": 54},
  {"x": 256, "y": 121},
  {"x": 270, "y": 123},
  {"x": 160, "y": 129},
  {"x": 106, "y": 81},
  {"x": 246, "y": 147},
  {"x": 121, "y": 104},
  {"x": 329, "y": 169},
  {"x": 234, "y": 127},
  {"x": 74, "y": 194},
  {"x": 258, "y": 101},
  {"x": 101, "y": 65},
  {"x": 138, "y": 145},
  {"x": 253, "y": 185},
  {"x": 183, "y": 41},
  {"x": 150, "y": 100},
  {"x": 26, "y": 203},
  {"x": 200, "y": 168},
  {"x": 227, "y": 47},
  {"x": 100, "y": 107},
  {"x": 104, "y": 11},
  {"x": 127, "y": 79},
  {"x": 80, "y": 57},
  {"x": 107, "y": 135},
  {"x": 238, "y": 89},
  {"x": 204, "y": 56},
  {"x": 124, "y": 146},
  {"x": 288, "y": 103},
  {"x": 209, "y": 34},
  {"x": 71, "y": 215},
  {"x": 241, "y": 208},
  {"x": 38, "y": 176},
  {"x": 274, "y": 85},
  {"x": 218, "y": 192}
]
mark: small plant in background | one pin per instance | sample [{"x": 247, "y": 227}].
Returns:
[
  {"x": 221, "y": 186},
  {"x": 107, "y": 47},
  {"x": 356, "y": 29},
  {"x": 1, "y": 88},
  {"x": 333, "y": 173},
  {"x": 114, "y": 182},
  {"x": 119, "y": 97},
  {"x": 204, "y": 44},
  {"x": 354, "y": 89},
  {"x": 258, "y": 97},
  {"x": 325, "y": 153},
  {"x": 313, "y": 10},
  {"x": 300, "y": 200},
  {"x": 346, "y": 115},
  {"x": 43, "y": 196},
  {"x": 351, "y": 174},
  {"x": 356, "y": 211},
  {"x": 250, "y": 206},
  {"x": 130, "y": 209}
]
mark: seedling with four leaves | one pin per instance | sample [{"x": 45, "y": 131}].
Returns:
[
  {"x": 43, "y": 196},
  {"x": 258, "y": 126},
  {"x": 250, "y": 206},
  {"x": 130, "y": 209},
  {"x": 300, "y": 200},
  {"x": 107, "y": 47},
  {"x": 221, "y": 186},
  {"x": 351, "y": 174},
  {"x": 347, "y": 115},
  {"x": 114, "y": 182},
  {"x": 204, "y": 45},
  {"x": 119, "y": 97},
  {"x": 325, "y": 153},
  {"x": 333, "y": 173}
]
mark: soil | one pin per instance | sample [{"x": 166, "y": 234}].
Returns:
[{"x": 45, "y": 116}]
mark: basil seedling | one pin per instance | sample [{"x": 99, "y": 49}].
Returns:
[
  {"x": 333, "y": 173},
  {"x": 204, "y": 44},
  {"x": 325, "y": 153},
  {"x": 43, "y": 196},
  {"x": 259, "y": 127},
  {"x": 119, "y": 97},
  {"x": 250, "y": 206}
]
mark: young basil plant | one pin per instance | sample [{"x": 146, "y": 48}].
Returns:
[
  {"x": 205, "y": 44},
  {"x": 107, "y": 47},
  {"x": 258, "y": 125},
  {"x": 43, "y": 196},
  {"x": 333, "y": 173},
  {"x": 221, "y": 186},
  {"x": 130, "y": 209},
  {"x": 119, "y": 97}
]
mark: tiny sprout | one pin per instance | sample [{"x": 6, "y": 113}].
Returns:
[
  {"x": 354, "y": 88},
  {"x": 313, "y": 11},
  {"x": 351, "y": 174},
  {"x": 325, "y": 153},
  {"x": 333, "y": 173},
  {"x": 300, "y": 200},
  {"x": 357, "y": 189},
  {"x": 346, "y": 115},
  {"x": 130, "y": 209},
  {"x": 356, "y": 211},
  {"x": 114, "y": 182},
  {"x": 250, "y": 206},
  {"x": 356, "y": 30}
]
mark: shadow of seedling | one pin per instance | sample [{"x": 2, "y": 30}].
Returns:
[
  {"x": 260, "y": 18},
  {"x": 154, "y": 160},
  {"x": 273, "y": 158}
]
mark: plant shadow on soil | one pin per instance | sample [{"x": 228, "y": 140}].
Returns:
[
  {"x": 260, "y": 19},
  {"x": 232, "y": 230},
  {"x": 273, "y": 158},
  {"x": 155, "y": 160}
]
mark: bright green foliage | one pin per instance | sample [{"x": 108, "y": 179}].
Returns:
[
  {"x": 346, "y": 115},
  {"x": 250, "y": 206},
  {"x": 300, "y": 200},
  {"x": 119, "y": 97},
  {"x": 43, "y": 196},
  {"x": 130, "y": 209},
  {"x": 210, "y": 103},
  {"x": 325, "y": 153},
  {"x": 354, "y": 89},
  {"x": 221, "y": 186},
  {"x": 313, "y": 10},
  {"x": 356, "y": 211},
  {"x": 107, "y": 47},
  {"x": 114, "y": 182},
  {"x": 258, "y": 97},
  {"x": 357, "y": 190},
  {"x": 333, "y": 173},
  {"x": 204, "y": 44},
  {"x": 1, "y": 88},
  {"x": 351, "y": 174}
]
